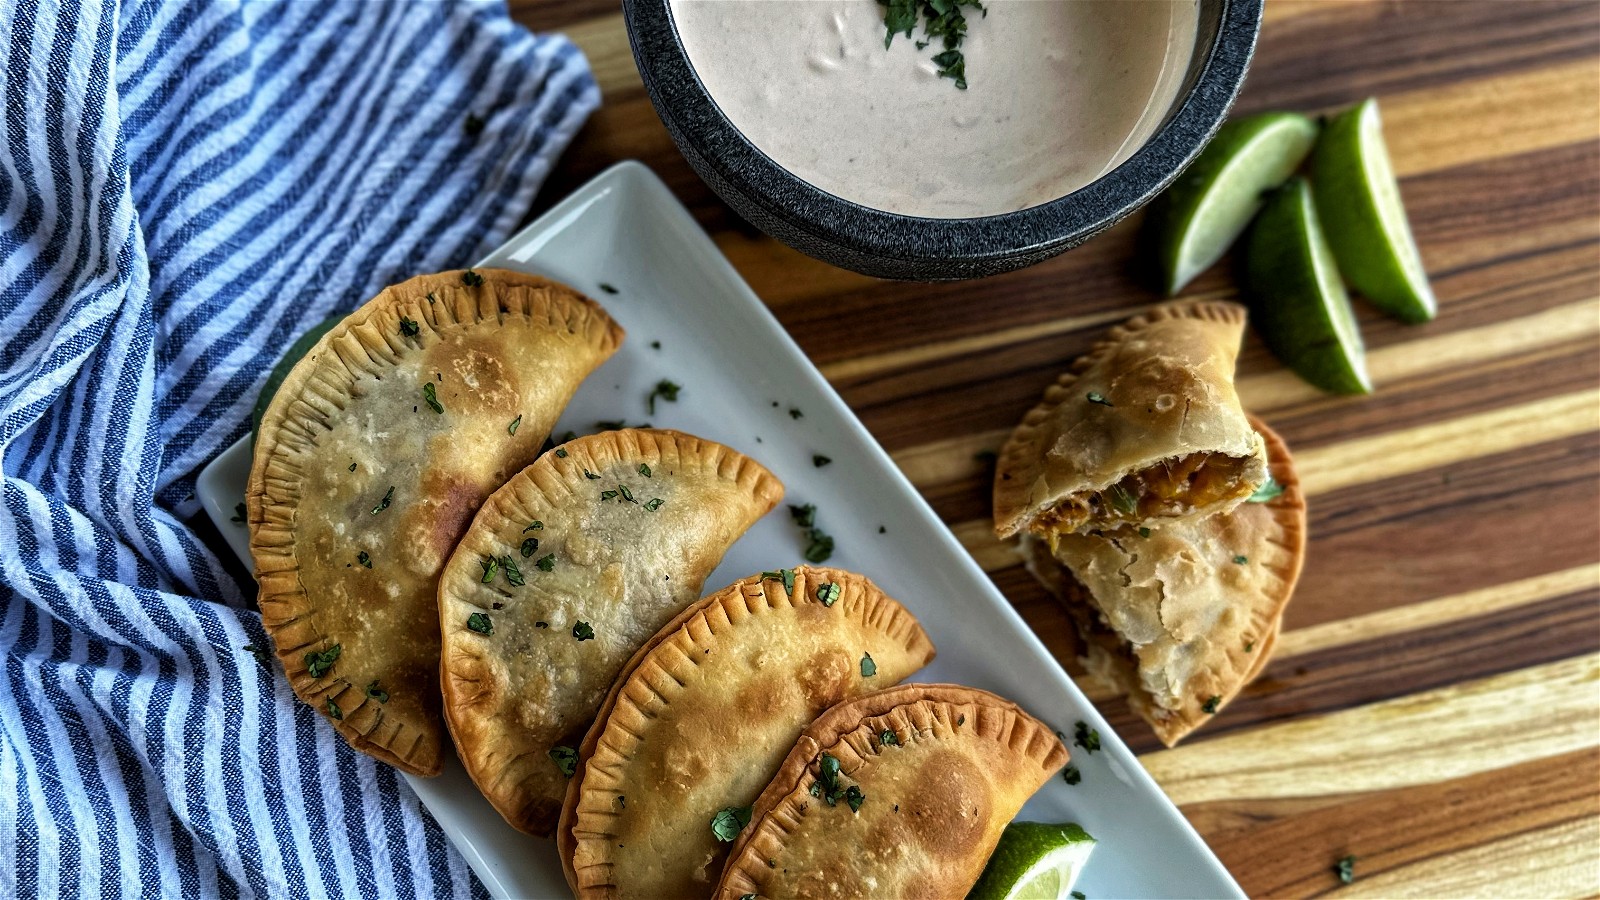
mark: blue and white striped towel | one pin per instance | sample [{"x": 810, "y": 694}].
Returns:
[{"x": 184, "y": 187}]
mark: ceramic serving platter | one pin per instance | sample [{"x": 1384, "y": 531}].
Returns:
[{"x": 624, "y": 239}]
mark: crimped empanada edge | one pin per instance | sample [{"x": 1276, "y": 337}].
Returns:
[{"x": 373, "y": 324}]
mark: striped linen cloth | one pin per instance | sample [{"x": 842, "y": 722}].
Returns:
[{"x": 185, "y": 186}]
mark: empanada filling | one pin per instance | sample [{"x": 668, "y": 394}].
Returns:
[{"x": 1172, "y": 487}]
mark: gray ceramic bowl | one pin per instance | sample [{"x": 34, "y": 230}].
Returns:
[{"x": 890, "y": 245}]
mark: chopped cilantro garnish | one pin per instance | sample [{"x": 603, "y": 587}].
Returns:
[
  {"x": 471, "y": 278},
  {"x": 804, "y": 516},
  {"x": 644, "y": 470},
  {"x": 626, "y": 494},
  {"x": 1210, "y": 706},
  {"x": 1249, "y": 645},
  {"x": 409, "y": 327},
  {"x": 1096, "y": 397},
  {"x": 607, "y": 288},
  {"x": 515, "y": 424},
  {"x": 582, "y": 631},
  {"x": 795, "y": 413},
  {"x": 480, "y": 623},
  {"x": 430, "y": 394},
  {"x": 240, "y": 514},
  {"x": 729, "y": 821},
  {"x": 1086, "y": 737},
  {"x": 1071, "y": 775},
  {"x": 1078, "y": 895},
  {"x": 820, "y": 547},
  {"x": 784, "y": 575},
  {"x": 547, "y": 562},
  {"x": 1346, "y": 869},
  {"x": 535, "y": 525},
  {"x": 1267, "y": 491},
  {"x": 854, "y": 797},
  {"x": 491, "y": 567},
  {"x": 383, "y": 504},
  {"x": 888, "y": 738},
  {"x": 1241, "y": 560},
  {"x": 364, "y": 558},
  {"x": 818, "y": 460},
  {"x": 655, "y": 504},
  {"x": 1143, "y": 531},
  {"x": 513, "y": 574},
  {"x": 566, "y": 759},
  {"x": 377, "y": 693},
  {"x": 607, "y": 495},
  {"x": 664, "y": 389},
  {"x": 590, "y": 475},
  {"x": 828, "y": 593},
  {"x": 1122, "y": 500},
  {"x": 868, "y": 667},
  {"x": 352, "y": 467},
  {"x": 334, "y": 710},
  {"x": 262, "y": 654},
  {"x": 561, "y": 453},
  {"x": 530, "y": 546}
]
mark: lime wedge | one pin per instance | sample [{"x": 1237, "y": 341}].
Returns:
[
  {"x": 1034, "y": 861},
  {"x": 1297, "y": 301},
  {"x": 299, "y": 348},
  {"x": 1212, "y": 202},
  {"x": 1360, "y": 206}
]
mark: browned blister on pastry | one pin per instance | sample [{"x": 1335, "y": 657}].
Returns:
[
  {"x": 1144, "y": 429},
  {"x": 1183, "y": 616},
  {"x": 705, "y": 712},
  {"x": 568, "y": 569},
  {"x": 927, "y": 776},
  {"x": 373, "y": 456}
]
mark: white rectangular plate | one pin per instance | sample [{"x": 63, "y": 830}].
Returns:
[{"x": 742, "y": 375}]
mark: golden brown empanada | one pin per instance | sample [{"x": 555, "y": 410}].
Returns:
[
  {"x": 900, "y": 793},
  {"x": 564, "y": 574},
  {"x": 703, "y": 714},
  {"x": 1144, "y": 429},
  {"x": 372, "y": 457},
  {"x": 1183, "y": 616}
]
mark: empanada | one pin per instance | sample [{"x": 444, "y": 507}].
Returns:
[
  {"x": 566, "y": 571},
  {"x": 1183, "y": 616},
  {"x": 900, "y": 793},
  {"x": 1144, "y": 429},
  {"x": 373, "y": 455},
  {"x": 703, "y": 714}
]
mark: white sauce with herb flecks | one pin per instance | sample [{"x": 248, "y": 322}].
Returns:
[{"x": 1058, "y": 93}]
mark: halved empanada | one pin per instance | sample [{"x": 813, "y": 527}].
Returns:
[
  {"x": 373, "y": 455},
  {"x": 1182, "y": 617},
  {"x": 901, "y": 793},
  {"x": 566, "y": 571},
  {"x": 704, "y": 713},
  {"x": 1145, "y": 428}
]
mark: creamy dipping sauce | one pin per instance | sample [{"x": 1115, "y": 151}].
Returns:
[{"x": 1059, "y": 92}]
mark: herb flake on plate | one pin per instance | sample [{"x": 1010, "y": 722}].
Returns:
[{"x": 664, "y": 389}]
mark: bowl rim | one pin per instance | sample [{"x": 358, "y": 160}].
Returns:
[{"x": 694, "y": 119}]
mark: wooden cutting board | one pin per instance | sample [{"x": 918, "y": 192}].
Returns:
[{"x": 1433, "y": 707}]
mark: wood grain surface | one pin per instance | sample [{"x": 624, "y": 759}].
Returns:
[{"x": 1433, "y": 707}]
